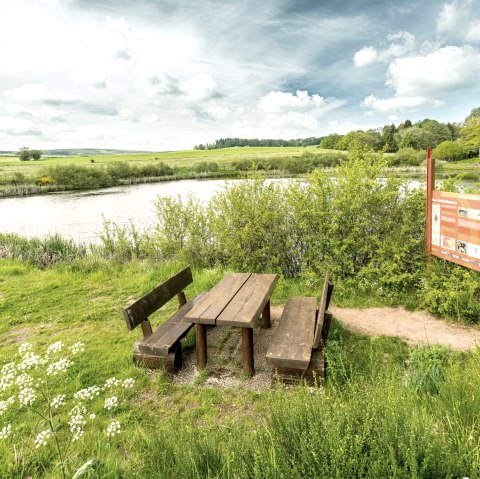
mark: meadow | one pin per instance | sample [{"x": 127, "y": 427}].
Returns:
[{"x": 386, "y": 410}]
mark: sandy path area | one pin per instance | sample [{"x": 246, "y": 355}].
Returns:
[{"x": 415, "y": 327}]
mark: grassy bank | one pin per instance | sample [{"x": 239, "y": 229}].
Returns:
[
  {"x": 386, "y": 411},
  {"x": 75, "y": 173}
]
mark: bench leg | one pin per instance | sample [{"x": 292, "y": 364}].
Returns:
[
  {"x": 247, "y": 343},
  {"x": 201, "y": 345},
  {"x": 266, "y": 316}
]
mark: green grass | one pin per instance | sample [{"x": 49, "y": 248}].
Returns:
[
  {"x": 173, "y": 158},
  {"x": 370, "y": 420}
]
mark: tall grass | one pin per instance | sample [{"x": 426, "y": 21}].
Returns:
[{"x": 41, "y": 252}]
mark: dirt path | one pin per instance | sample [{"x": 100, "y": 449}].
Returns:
[{"x": 415, "y": 327}]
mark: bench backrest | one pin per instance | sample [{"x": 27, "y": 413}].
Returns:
[
  {"x": 139, "y": 311},
  {"x": 323, "y": 321}
]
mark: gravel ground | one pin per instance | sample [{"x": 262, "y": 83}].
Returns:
[{"x": 224, "y": 369}]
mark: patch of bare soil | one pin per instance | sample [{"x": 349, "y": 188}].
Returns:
[{"x": 415, "y": 327}]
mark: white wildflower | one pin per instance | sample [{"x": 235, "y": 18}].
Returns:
[
  {"x": 24, "y": 380},
  {"x": 88, "y": 393},
  {"x": 111, "y": 403},
  {"x": 4, "y": 405},
  {"x": 8, "y": 368},
  {"x": 5, "y": 431},
  {"x": 77, "y": 347},
  {"x": 77, "y": 422},
  {"x": 54, "y": 348},
  {"x": 59, "y": 366},
  {"x": 92, "y": 416},
  {"x": 24, "y": 348},
  {"x": 113, "y": 428},
  {"x": 30, "y": 361},
  {"x": 8, "y": 376},
  {"x": 128, "y": 383},
  {"x": 27, "y": 396},
  {"x": 58, "y": 401},
  {"x": 111, "y": 382},
  {"x": 42, "y": 438}
]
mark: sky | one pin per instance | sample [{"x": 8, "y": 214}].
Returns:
[{"x": 160, "y": 75}]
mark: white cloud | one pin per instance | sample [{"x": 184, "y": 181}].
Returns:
[
  {"x": 38, "y": 92},
  {"x": 43, "y": 112},
  {"x": 400, "y": 104},
  {"x": 365, "y": 56},
  {"x": 278, "y": 101},
  {"x": 343, "y": 127},
  {"x": 441, "y": 71},
  {"x": 18, "y": 126},
  {"x": 397, "y": 45},
  {"x": 459, "y": 19},
  {"x": 201, "y": 87}
]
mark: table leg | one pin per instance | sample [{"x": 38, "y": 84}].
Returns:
[
  {"x": 201, "y": 345},
  {"x": 247, "y": 343},
  {"x": 266, "y": 316}
]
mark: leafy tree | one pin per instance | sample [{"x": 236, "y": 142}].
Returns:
[
  {"x": 449, "y": 151},
  {"x": 372, "y": 139},
  {"x": 331, "y": 142},
  {"x": 470, "y": 133},
  {"x": 24, "y": 154},
  {"x": 36, "y": 154},
  {"x": 390, "y": 145},
  {"x": 438, "y": 131},
  {"x": 475, "y": 113},
  {"x": 406, "y": 124}
]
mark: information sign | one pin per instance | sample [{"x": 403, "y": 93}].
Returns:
[{"x": 453, "y": 224}]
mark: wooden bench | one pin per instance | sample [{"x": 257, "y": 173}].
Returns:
[
  {"x": 162, "y": 348},
  {"x": 297, "y": 349}
]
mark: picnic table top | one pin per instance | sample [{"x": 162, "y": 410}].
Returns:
[{"x": 238, "y": 299}]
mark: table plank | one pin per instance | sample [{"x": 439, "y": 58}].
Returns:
[
  {"x": 210, "y": 307},
  {"x": 292, "y": 345},
  {"x": 247, "y": 305}
]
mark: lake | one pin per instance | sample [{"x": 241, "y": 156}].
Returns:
[{"x": 79, "y": 215}]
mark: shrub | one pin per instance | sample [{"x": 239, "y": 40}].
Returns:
[
  {"x": 407, "y": 156},
  {"x": 79, "y": 178},
  {"x": 44, "y": 181},
  {"x": 206, "y": 167},
  {"x": 449, "y": 151},
  {"x": 452, "y": 291},
  {"x": 119, "y": 170}
]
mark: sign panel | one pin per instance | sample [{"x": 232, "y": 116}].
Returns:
[{"x": 455, "y": 228}]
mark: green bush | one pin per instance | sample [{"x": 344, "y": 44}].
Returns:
[
  {"x": 79, "y": 178},
  {"x": 406, "y": 156},
  {"x": 449, "y": 151},
  {"x": 452, "y": 291},
  {"x": 206, "y": 167}
]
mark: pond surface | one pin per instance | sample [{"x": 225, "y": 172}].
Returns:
[{"x": 79, "y": 215}]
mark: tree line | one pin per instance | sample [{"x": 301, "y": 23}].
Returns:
[
  {"x": 450, "y": 141},
  {"x": 232, "y": 142}
]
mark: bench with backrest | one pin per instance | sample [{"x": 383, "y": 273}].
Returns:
[
  {"x": 161, "y": 348},
  {"x": 297, "y": 349}
]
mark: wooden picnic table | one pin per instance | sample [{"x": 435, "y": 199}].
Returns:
[{"x": 237, "y": 300}]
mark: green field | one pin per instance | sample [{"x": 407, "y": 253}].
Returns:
[
  {"x": 185, "y": 158},
  {"x": 387, "y": 410}
]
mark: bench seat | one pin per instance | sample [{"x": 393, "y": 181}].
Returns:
[
  {"x": 292, "y": 345},
  {"x": 297, "y": 349},
  {"x": 162, "y": 347}
]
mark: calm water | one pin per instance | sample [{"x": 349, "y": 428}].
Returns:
[{"x": 79, "y": 214}]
